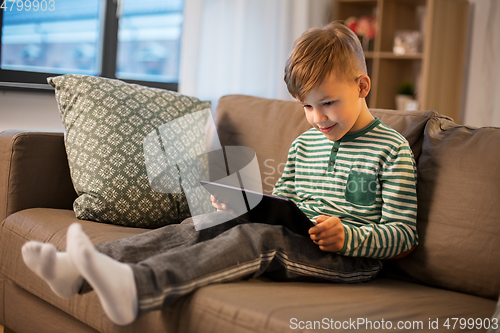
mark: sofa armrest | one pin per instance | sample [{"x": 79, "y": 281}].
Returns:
[{"x": 34, "y": 172}]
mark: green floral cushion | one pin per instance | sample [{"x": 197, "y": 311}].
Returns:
[{"x": 106, "y": 122}]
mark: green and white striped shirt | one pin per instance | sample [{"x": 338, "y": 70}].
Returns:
[{"x": 367, "y": 179}]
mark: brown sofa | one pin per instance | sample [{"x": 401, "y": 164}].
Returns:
[{"x": 454, "y": 273}]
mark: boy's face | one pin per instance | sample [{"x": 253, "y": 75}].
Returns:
[{"x": 336, "y": 108}]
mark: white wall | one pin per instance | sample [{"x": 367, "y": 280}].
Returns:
[{"x": 29, "y": 110}]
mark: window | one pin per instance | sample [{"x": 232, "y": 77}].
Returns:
[
  {"x": 148, "y": 40},
  {"x": 136, "y": 41}
]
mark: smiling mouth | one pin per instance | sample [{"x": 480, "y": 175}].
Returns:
[{"x": 326, "y": 129}]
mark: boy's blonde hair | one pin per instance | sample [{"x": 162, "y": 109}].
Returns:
[{"x": 333, "y": 49}]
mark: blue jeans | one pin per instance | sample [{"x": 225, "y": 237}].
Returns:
[{"x": 175, "y": 260}]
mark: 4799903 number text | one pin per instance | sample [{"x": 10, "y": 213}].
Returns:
[{"x": 28, "y": 5}]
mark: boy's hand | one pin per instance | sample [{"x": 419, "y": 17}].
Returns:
[
  {"x": 221, "y": 207},
  {"x": 328, "y": 233}
]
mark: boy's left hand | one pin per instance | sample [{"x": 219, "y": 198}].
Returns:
[{"x": 328, "y": 233}]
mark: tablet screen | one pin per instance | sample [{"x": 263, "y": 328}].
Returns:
[{"x": 261, "y": 208}]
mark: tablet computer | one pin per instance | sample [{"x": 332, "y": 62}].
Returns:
[{"x": 261, "y": 208}]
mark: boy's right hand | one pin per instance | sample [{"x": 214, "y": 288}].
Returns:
[{"x": 329, "y": 233}]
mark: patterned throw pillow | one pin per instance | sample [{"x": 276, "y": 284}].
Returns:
[{"x": 106, "y": 122}]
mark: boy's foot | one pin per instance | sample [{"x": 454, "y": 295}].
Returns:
[
  {"x": 113, "y": 281},
  {"x": 53, "y": 267}
]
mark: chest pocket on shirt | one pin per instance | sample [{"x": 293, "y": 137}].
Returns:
[{"x": 361, "y": 188}]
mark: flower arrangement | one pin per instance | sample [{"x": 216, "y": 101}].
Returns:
[{"x": 365, "y": 28}]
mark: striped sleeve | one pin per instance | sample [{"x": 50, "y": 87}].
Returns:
[
  {"x": 285, "y": 186},
  {"x": 396, "y": 231}
]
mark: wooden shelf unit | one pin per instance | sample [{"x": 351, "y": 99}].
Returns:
[{"x": 437, "y": 72}]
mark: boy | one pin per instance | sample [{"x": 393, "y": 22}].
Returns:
[{"x": 351, "y": 174}]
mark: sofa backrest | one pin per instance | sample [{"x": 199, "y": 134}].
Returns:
[{"x": 458, "y": 190}]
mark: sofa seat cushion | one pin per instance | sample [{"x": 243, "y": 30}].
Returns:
[
  {"x": 247, "y": 306},
  {"x": 50, "y": 225},
  {"x": 256, "y": 306}
]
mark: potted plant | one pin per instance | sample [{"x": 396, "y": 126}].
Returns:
[{"x": 405, "y": 98}]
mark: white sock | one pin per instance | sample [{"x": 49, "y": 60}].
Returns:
[
  {"x": 53, "y": 267},
  {"x": 112, "y": 280}
]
